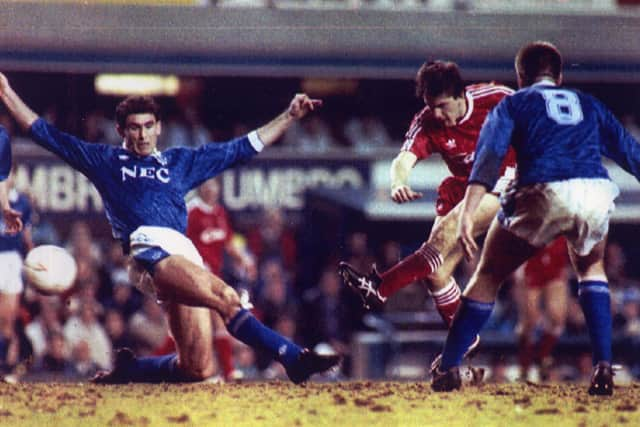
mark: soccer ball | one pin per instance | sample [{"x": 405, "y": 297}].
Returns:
[{"x": 50, "y": 269}]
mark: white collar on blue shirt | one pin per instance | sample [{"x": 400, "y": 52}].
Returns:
[
  {"x": 547, "y": 81},
  {"x": 157, "y": 154}
]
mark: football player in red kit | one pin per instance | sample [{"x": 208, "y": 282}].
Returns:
[
  {"x": 543, "y": 279},
  {"x": 449, "y": 124},
  {"x": 210, "y": 230}
]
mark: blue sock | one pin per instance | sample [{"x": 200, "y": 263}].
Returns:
[
  {"x": 154, "y": 369},
  {"x": 470, "y": 318},
  {"x": 252, "y": 332},
  {"x": 596, "y": 304}
]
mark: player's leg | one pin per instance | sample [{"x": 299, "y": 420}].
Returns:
[
  {"x": 222, "y": 342},
  {"x": 555, "y": 295},
  {"x": 443, "y": 287},
  {"x": 442, "y": 241},
  {"x": 527, "y": 300},
  {"x": 375, "y": 288},
  {"x": 11, "y": 287},
  {"x": 192, "y": 331},
  {"x": 502, "y": 254},
  {"x": 9, "y": 345},
  {"x": 595, "y": 300},
  {"x": 182, "y": 281},
  {"x": 177, "y": 279}
]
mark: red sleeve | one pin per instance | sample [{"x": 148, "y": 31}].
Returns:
[{"x": 416, "y": 140}]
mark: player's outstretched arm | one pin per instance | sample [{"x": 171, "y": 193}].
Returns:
[
  {"x": 299, "y": 107},
  {"x": 472, "y": 198},
  {"x": 400, "y": 170},
  {"x": 18, "y": 109}
]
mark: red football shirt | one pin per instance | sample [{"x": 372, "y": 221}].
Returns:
[
  {"x": 209, "y": 229},
  {"x": 457, "y": 144}
]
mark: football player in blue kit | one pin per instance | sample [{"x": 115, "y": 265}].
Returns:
[
  {"x": 562, "y": 188},
  {"x": 143, "y": 191},
  {"x": 15, "y": 240}
]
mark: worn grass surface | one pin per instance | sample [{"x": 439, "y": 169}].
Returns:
[{"x": 317, "y": 404}]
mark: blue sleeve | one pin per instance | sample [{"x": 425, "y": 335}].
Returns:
[
  {"x": 5, "y": 154},
  {"x": 79, "y": 154},
  {"x": 215, "y": 157},
  {"x": 493, "y": 144},
  {"x": 618, "y": 144}
]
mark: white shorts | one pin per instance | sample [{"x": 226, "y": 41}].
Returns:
[
  {"x": 168, "y": 240},
  {"x": 577, "y": 208},
  {"x": 11, "y": 272}
]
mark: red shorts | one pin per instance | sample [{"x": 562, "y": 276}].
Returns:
[
  {"x": 548, "y": 264},
  {"x": 450, "y": 193}
]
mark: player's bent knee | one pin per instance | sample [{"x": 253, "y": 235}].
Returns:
[{"x": 437, "y": 280}]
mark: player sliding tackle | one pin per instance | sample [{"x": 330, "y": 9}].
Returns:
[
  {"x": 559, "y": 135},
  {"x": 449, "y": 125},
  {"x": 143, "y": 191}
]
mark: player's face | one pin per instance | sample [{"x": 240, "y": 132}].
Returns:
[
  {"x": 447, "y": 109},
  {"x": 141, "y": 132},
  {"x": 210, "y": 191}
]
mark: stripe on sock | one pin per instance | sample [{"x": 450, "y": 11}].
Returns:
[
  {"x": 431, "y": 255},
  {"x": 602, "y": 289},
  {"x": 448, "y": 294},
  {"x": 237, "y": 322}
]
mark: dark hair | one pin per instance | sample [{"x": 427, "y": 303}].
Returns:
[
  {"x": 538, "y": 59},
  {"x": 435, "y": 78},
  {"x": 136, "y": 105}
]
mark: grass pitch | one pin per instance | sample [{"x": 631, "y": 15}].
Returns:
[{"x": 317, "y": 404}]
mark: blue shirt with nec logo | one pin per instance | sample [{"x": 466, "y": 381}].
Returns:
[
  {"x": 557, "y": 134},
  {"x": 143, "y": 190},
  {"x": 5, "y": 154}
]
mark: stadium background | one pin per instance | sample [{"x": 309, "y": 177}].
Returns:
[{"x": 238, "y": 63}]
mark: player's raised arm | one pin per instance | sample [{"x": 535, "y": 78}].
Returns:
[
  {"x": 16, "y": 106},
  {"x": 400, "y": 170},
  {"x": 79, "y": 154},
  {"x": 299, "y": 107}
]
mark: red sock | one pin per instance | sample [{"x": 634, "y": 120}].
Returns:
[
  {"x": 447, "y": 301},
  {"x": 545, "y": 345},
  {"x": 416, "y": 266},
  {"x": 222, "y": 344},
  {"x": 525, "y": 354}
]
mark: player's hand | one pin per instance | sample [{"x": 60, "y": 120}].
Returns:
[
  {"x": 404, "y": 194},
  {"x": 301, "y": 104},
  {"x": 12, "y": 221},
  {"x": 465, "y": 236}
]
